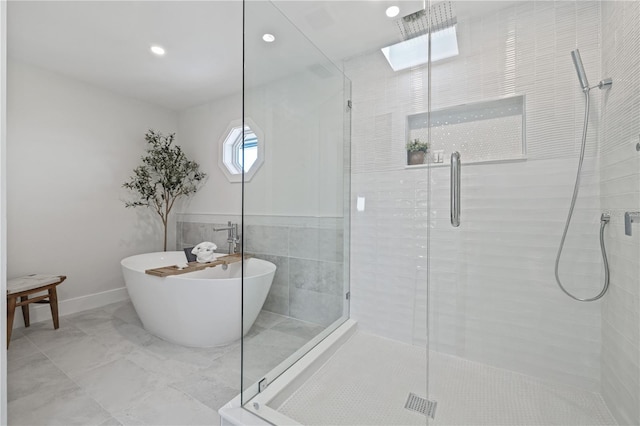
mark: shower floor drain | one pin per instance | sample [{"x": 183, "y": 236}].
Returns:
[{"x": 421, "y": 405}]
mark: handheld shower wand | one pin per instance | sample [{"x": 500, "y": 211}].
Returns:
[{"x": 582, "y": 76}]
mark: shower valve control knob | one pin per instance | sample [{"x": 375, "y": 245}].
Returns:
[{"x": 629, "y": 218}]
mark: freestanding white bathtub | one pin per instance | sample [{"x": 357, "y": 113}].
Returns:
[{"x": 199, "y": 309}]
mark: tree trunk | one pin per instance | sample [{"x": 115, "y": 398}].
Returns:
[
  {"x": 164, "y": 222},
  {"x": 167, "y": 208}
]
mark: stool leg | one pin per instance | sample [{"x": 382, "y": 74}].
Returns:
[
  {"x": 11, "y": 310},
  {"x": 25, "y": 310},
  {"x": 53, "y": 302}
]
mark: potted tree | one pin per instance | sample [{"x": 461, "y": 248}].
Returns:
[
  {"x": 416, "y": 151},
  {"x": 164, "y": 176}
]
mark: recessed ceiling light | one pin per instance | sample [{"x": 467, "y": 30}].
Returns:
[
  {"x": 392, "y": 11},
  {"x": 269, "y": 38},
  {"x": 157, "y": 50}
]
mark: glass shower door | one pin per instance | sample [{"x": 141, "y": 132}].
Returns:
[
  {"x": 379, "y": 197},
  {"x": 507, "y": 345},
  {"x": 294, "y": 210}
]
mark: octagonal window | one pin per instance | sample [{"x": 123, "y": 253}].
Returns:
[{"x": 242, "y": 150}]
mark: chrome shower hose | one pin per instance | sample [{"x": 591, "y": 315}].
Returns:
[{"x": 604, "y": 219}]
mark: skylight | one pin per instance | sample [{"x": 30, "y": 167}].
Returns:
[{"x": 414, "y": 52}]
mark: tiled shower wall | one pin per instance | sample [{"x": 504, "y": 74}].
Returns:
[
  {"x": 308, "y": 254},
  {"x": 620, "y": 192},
  {"x": 493, "y": 293}
]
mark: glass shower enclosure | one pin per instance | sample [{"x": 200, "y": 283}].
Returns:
[
  {"x": 295, "y": 209},
  {"x": 448, "y": 260}
]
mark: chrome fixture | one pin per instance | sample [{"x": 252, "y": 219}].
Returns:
[
  {"x": 605, "y": 84},
  {"x": 421, "y": 405},
  {"x": 232, "y": 236},
  {"x": 455, "y": 189},
  {"x": 420, "y": 29},
  {"x": 582, "y": 76},
  {"x": 604, "y": 219},
  {"x": 629, "y": 218}
]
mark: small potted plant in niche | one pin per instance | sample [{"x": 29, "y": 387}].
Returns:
[
  {"x": 416, "y": 151},
  {"x": 164, "y": 176}
]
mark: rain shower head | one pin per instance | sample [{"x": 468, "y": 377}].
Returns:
[
  {"x": 427, "y": 34},
  {"x": 439, "y": 16},
  {"x": 582, "y": 76}
]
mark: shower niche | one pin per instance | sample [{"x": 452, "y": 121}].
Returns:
[{"x": 483, "y": 131}]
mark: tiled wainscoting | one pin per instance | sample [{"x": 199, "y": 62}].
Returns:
[{"x": 308, "y": 252}]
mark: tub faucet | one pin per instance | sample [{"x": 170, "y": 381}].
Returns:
[{"x": 232, "y": 236}]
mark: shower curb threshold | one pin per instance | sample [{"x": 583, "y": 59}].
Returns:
[{"x": 259, "y": 411}]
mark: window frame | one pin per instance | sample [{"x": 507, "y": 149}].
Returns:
[{"x": 230, "y": 144}]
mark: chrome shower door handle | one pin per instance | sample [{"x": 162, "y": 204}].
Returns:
[{"x": 455, "y": 189}]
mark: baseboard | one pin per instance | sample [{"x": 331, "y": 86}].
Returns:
[{"x": 42, "y": 312}]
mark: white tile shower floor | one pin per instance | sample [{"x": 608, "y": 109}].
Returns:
[
  {"x": 367, "y": 381},
  {"x": 102, "y": 368}
]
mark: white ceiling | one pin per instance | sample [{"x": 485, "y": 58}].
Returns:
[{"x": 106, "y": 43}]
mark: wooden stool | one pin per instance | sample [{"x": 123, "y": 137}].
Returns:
[{"x": 24, "y": 286}]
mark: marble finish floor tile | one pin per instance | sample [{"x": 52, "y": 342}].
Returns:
[
  {"x": 119, "y": 384},
  {"x": 128, "y": 336},
  {"x": 101, "y": 367},
  {"x": 35, "y": 373},
  {"x": 267, "y": 350},
  {"x": 198, "y": 357},
  {"x": 168, "y": 368},
  {"x": 19, "y": 347},
  {"x": 124, "y": 311},
  {"x": 168, "y": 406},
  {"x": 81, "y": 355},
  {"x": 209, "y": 391},
  {"x": 225, "y": 369},
  {"x": 53, "y": 408},
  {"x": 268, "y": 319},
  {"x": 44, "y": 336},
  {"x": 111, "y": 421},
  {"x": 304, "y": 330},
  {"x": 255, "y": 330},
  {"x": 93, "y": 321}
]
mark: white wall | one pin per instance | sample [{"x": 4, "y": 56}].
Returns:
[
  {"x": 301, "y": 118},
  {"x": 200, "y": 129},
  {"x": 71, "y": 147},
  {"x": 620, "y": 192},
  {"x": 493, "y": 294}
]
